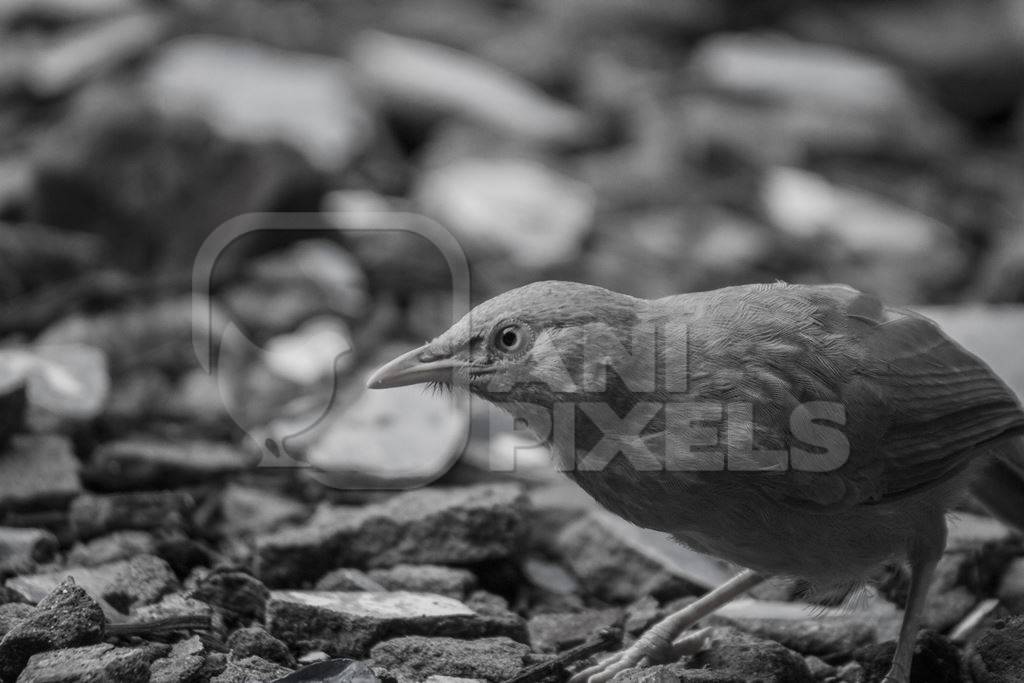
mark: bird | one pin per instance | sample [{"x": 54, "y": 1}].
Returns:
[{"x": 805, "y": 431}]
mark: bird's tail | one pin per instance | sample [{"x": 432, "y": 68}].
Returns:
[{"x": 1000, "y": 484}]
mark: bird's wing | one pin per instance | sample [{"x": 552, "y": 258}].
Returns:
[{"x": 916, "y": 406}]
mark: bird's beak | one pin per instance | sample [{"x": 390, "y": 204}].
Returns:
[{"x": 410, "y": 369}]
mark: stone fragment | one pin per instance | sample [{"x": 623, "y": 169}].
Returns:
[
  {"x": 347, "y": 579},
  {"x": 256, "y": 641},
  {"x": 935, "y": 659},
  {"x": 251, "y": 669},
  {"x": 119, "y": 545},
  {"x": 237, "y": 595},
  {"x": 67, "y": 617},
  {"x": 417, "y": 657},
  {"x": 557, "y": 632},
  {"x": 248, "y": 510},
  {"x": 426, "y": 578},
  {"x": 348, "y": 624},
  {"x": 38, "y": 471},
  {"x": 183, "y": 664},
  {"x": 456, "y": 526},
  {"x": 997, "y": 657},
  {"x": 94, "y": 515},
  {"x": 11, "y": 614},
  {"x": 751, "y": 658},
  {"x": 102, "y": 662},
  {"x": 144, "y": 463},
  {"x": 21, "y": 549}
]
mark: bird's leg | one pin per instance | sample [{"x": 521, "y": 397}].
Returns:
[
  {"x": 922, "y": 570},
  {"x": 656, "y": 644}
]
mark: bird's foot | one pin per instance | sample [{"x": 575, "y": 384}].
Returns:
[{"x": 651, "y": 648}]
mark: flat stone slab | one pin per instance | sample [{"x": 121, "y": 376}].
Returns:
[
  {"x": 152, "y": 463},
  {"x": 102, "y": 662},
  {"x": 348, "y": 624},
  {"x": 38, "y": 472}
]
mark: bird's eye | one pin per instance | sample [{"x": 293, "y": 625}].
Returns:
[{"x": 511, "y": 338}]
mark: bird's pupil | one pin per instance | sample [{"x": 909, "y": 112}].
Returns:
[{"x": 509, "y": 338}]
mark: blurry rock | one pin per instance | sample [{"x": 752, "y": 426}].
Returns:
[
  {"x": 22, "y": 549},
  {"x": 968, "y": 54},
  {"x": 156, "y": 185},
  {"x": 102, "y": 662},
  {"x": 256, "y": 641},
  {"x": 236, "y": 594},
  {"x": 338, "y": 670},
  {"x": 432, "y": 79},
  {"x": 813, "y": 634},
  {"x": 38, "y": 471},
  {"x": 184, "y": 553},
  {"x": 347, "y": 580},
  {"x": 248, "y": 510},
  {"x": 314, "y": 352},
  {"x": 935, "y": 659},
  {"x": 13, "y": 402},
  {"x": 997, "y": 656},
  {"x": 177, "y": 606},
  {"x": 141, "y": 463},
  {"x": 614, "y": 560},
  {"x": 9, "y": 596},
  {"x": 348, "y": 624},
  {"x": 184, "y": 662},
  {"x": 12, "y": 614},
  {"x": 63, "y": 10},
  {"x": 161, "y": 332},
  {"x": 1011, "y": 587},
  {"x": 251, "y": 669},
  {"x": 66, "y": 617},
  {"x": 510, "y": 209},
  {"x": 95, "y": 515},
  {"x": 142, "y": 580},
  {"x": 256, "y": 94},
  {"x": 455, "y": 526},
  {"x": 557, "y": 632},
  {"x": 1001, "y": 274},
  {"x": 549, "y": 577},
  {"x": 389, "y": 439},
  {"x": 426, "y": 578},
  {"x": 35, "y": 256},
  {"x": 120, "y": 545},
  {"x": 63, "y": 382},
  {"x": 905, "y": 255},
  {"x": 88, "y": 51},
  {"x": 490, "y": 659}
]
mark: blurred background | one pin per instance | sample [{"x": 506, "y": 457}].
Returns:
[{"x": 649, "y": 146}]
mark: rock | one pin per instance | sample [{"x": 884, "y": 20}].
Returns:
[
  {"x": 22, "y": 549},
  {"x": 557, "y": 632},
  {"x": 426, "y": 578},
  {"x": 1011, "y": 587},
  {"x": 102, "y": 662},
  {"x": 868, "y": 101},
  {"x": 510, "y": 209},
  {"x": 437, "y": 525},
  {"x": 236, "y": 594},
  {"x": 881, "y": 259},
  {"x": 178, "y": 606},
  {"x": 65, "y": 384},
  {"x": 138, "y": 581},
  {"x": 36, "y": 256},
  {"x": 607, "y": 566},
  {"x": 256, "y": 94},
  {"x": 813, "y": 635},
  {"x": 248, "y": 510},
  {"x": 348, "y": 624},
  {"x": 143, "y": 580},
  {"x": 143, "y": 463},
  {"x": 13, "y": 403},
  {"x": 749, "y": 658},
  {"x": 88, "y": 171},
  {"x": 416, "y": 657},
  {"x": 119, "y": 545},
  {"x": 347, "y": 579},
  {"x": 323, "y": 670},
  {"x": 38, "y": 471},
  {"x": 94, "y": 515},
  {"x": 184, "y": 663},
  {"x": 12, "y": 614},
  {"x": 424, "y": 436},
  {"x": 67, "y": 617},
  {"x": 255, "y": 641},
  {"x": 429, "y": 78},
  {"x": 935, "y": 659},
  {"x": 313, "y": 353},
  {"x": 549, "y": 577},
  {"x": 251, "y": 669},
  {"x": 997, "y": 657},
  {"x": 9, "y": 595}
]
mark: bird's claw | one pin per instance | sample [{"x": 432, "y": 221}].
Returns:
[{"x": 648, "y": 650}]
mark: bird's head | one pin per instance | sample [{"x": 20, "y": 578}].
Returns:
[{"x": 524, "y": 345}]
